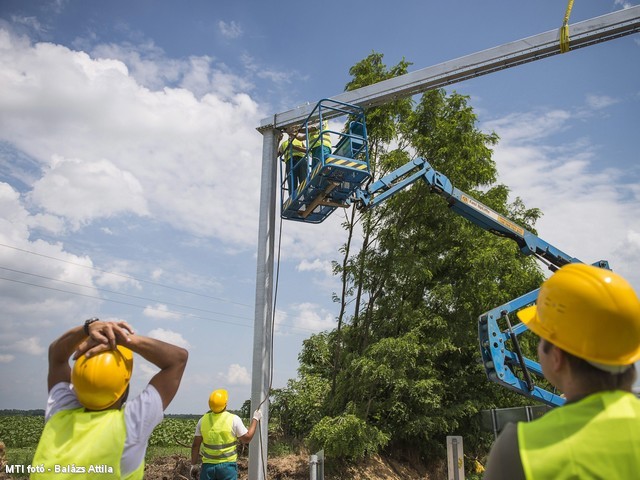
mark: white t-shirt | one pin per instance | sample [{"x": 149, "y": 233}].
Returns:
[
  {"x": 237, "y": 428},
  {"x": 141, "y": 416}
]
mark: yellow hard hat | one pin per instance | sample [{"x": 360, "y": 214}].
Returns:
[
  {"x": 589, "y": 312},
  {"x": 100, "y": 380},
  {"x": 218, "y": 400}
]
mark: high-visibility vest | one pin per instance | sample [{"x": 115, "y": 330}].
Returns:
[
  {"x": 287, "y": 152},
  {"x": 218, "y": 441},
  {"x": 326, "y": 137},
  {"x": 597, "y": 437},
  {"x": 77, "y": 444}
]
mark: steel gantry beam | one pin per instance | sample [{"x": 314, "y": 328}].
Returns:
[
  {"x": 589, "y": 32},
  {"x": 582, "y": 34}
]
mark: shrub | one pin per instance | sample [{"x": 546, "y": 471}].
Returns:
[{"x": 346, "y": 436}]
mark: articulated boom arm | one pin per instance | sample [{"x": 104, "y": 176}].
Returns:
[
  {"x": 499, "y": 362},
  {"x": 464, "y": 205}
]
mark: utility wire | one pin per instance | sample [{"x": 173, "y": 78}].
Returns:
[
  {"x": 182, "y": 314},
  {"x": 122, "y": 294},
  {"x": 128, "y": 277},
  {"x": 125, "y": 303},
  {"x": 273, "y": 315}
]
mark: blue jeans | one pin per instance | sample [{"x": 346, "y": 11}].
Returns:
[{"x": 219, "y": 471}]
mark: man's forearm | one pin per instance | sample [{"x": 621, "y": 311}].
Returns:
[
  {"x": 59, "y": 352},
  {"x": 171, "y": 360},
  {"x": 161, "y": 354},
  {"x": 63, "y": 347},
  {"x": 247, "y": 437},
  {"x": 195, "y": 450}
]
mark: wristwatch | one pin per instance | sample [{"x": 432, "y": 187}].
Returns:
[{"x": 88, "y": 322}]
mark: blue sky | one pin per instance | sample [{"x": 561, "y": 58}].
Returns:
[{"x": 130, "y": 162}]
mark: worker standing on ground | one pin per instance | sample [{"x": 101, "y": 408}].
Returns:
[
  {"x": 588, "y": 321},
  {"x": 216, "y": 438},
  {"x": 91, "y": 429}
]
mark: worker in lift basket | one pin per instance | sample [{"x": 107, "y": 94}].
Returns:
[
  {"x": 588, "y": 321},
  {"x": 292, "y": 151},
  {"x": 320, "y": 145},
  {"x": 216, "y": 438},
  {"x": 91, "y": 430}
]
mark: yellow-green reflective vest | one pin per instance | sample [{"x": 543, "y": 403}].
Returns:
[
  {"x": 218, "y": 441},
  {"x": 597, "y": 437},
  {"x": 326, "y": 137},
  {"x": 286, "y": 152},
  {"x": 80, "y": 444}
]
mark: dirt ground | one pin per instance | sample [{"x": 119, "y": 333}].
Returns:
[{"x": 295, "y": 467}]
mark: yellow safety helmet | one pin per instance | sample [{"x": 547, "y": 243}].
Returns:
[
  {"x": 218, "y": 400},
  {"x": 589, "y": 312},
  {"x": 100, "y": 380}
]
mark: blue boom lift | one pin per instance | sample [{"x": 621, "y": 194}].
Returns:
[
  {"x": 336, "y": 181},
  {"x": 329, "y": 180}
]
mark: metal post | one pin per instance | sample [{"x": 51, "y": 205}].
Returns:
[
  {"x": 320, "y": 455},
  {"x": 262, "y": 332},
  {"x": 455, "y": 458},
  {"x": 313, "y": 467}
]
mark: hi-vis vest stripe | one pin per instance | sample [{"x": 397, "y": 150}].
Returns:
[{"x": 218, "y": 440}]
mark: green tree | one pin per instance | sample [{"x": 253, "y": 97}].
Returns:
[
  {"x": 299, "y": 406},
  {"x": 405, "y": 356}
]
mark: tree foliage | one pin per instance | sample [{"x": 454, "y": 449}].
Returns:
[
  {"x": 403, "y": 359},
  {"x": 346, "y": 436}
]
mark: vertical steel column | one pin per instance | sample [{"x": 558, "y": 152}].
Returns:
[{"x": 262, "y": 331}]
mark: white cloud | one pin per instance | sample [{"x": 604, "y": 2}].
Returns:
[
  {"x": 598, "y": 102},
  {"x": 83, "y": 191},
  {"x": 316, "y": 265},
  {"x": 310, "y": 317},
  {"x": 236, "y": 375},
  {"x": 623, "y": 3},
  {"x": 115, "y": 276},
  {"x": 157, "y": 274},
  {"x": 32, "y": 270},
  {"x": 169, "y": 336},
  {"x": 30, "y": 345},
  {"x": 177, "y": 157},
  {"x": 586, "y": 207},
  {"x": 529, "y": 126},
  {"x": 230, "y": 29},
  {"x": 32, "y": 23},
  {"x": 143, "y": 371},
  {"x": 6, "y": 358},
  {"x": 160, "y": 311}
]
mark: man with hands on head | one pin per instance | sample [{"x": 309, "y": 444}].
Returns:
[{"x": 91, "y": 428}]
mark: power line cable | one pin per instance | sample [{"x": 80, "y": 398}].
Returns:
[
  {"x": 128, "y": 277},
  {"x": 121, "y": 293},
  {"x": 273, "y": 314},
  {"x": 184, "y": 314},
  {"x": 143, "y": 307}
]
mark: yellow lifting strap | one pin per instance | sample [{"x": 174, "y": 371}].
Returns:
[{"x": 564, "y": 31}]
